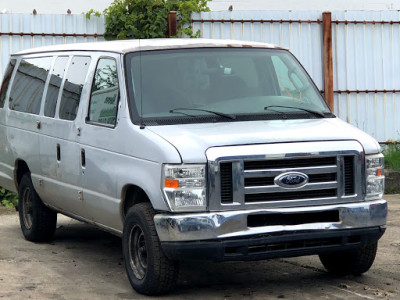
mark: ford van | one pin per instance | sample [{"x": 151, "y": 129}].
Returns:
[{"x": 189, "y": 149}]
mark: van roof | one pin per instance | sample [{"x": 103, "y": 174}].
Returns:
[{"x": 124, "y": 46}]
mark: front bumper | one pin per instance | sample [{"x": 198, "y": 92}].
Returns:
[
  {"x": 293, "y": 231},
  {"x": 273, "y": 246}
]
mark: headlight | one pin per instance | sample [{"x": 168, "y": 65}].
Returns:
[
  {"x": 374, "y": 165},
  {"x": 184, "y": 186}
]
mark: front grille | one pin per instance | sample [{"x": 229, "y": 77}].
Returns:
[
  {"x": 285, "y": 175},
  {"x": 260, "y": 186}
]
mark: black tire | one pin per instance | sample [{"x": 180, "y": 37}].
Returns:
[
  {"x": 354, "y": 262},
  {"x": 38, "y": 222},
  {"x": 149, "y": 271}
]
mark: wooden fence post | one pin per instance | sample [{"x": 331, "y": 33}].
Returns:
[
  {"x": 327, "y": 57},
  {"x": 172, "y": 24}
]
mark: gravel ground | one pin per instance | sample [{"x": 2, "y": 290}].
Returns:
[{"x": 85, "y": 263}]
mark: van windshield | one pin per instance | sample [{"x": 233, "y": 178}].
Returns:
[{"x": 219, "y": 85}]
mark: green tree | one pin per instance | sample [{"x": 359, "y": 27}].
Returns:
[{"x": 139, "y": 19}]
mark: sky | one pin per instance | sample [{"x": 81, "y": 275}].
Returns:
[{"x": 82, "y": 6}]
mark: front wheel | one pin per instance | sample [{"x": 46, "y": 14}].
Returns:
[
  {"x": 350, "y": 262},
  {"x": 38, "y": 222},
  {"x": 149, "y": 271}
]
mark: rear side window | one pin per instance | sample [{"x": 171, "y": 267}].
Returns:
[
  {"x": 73, "y": 85},
  {"x": 28, "y": 85},
  {"x": 6, "y": 81},
  {"x": 104, "y": 95},
  {"x": 57, "y": 74}
]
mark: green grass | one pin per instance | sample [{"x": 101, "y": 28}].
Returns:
[
  {"x": 392, "y": 162},
  {"x": 392, "y": 156},
  {"x": 8, "y": 199}
]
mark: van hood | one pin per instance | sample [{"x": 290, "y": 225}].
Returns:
[{"x": 192, "y": 140}]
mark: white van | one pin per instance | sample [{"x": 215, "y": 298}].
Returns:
[{"x": 188, "y": 149}]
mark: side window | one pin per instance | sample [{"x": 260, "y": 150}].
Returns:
[
  {"x": 73, "y": 85},
  {"x": 104, "y": 95},
  {"x": 57, "y": 75},
  {"x": 6, "y": 81},
  {"x": 28, "y": 85}
]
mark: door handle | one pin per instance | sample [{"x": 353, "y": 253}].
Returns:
[
  {"x": 58, "y": 152},
  {"x": 83, "y": 158}
]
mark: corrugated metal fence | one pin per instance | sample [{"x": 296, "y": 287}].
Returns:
[
  {"x": 366, "y": 57},
  {"x": 366, "y": 51},
  {"x": 23, "y": 31}
]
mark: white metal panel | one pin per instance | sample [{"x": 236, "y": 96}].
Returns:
[
  {"x": 366, "y": 58},
  {"x": 304, "y": 4},
  {"x": 54, "y": 28},
  {"x": 366, "y": 55},
  {"x": 376, "y": 113}
]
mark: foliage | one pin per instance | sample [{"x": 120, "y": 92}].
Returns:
[
  {"x": 8, "y": 199},
  {"x": 93, "y": 12},
  {"x": 392, "y": 155},
  {"x": 139, "y": 19}
]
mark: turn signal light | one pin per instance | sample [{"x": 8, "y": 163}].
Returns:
[{"x": 170, "y": 183}]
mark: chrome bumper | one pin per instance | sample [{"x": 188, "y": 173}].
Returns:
[{"x": 231, "y": 224}]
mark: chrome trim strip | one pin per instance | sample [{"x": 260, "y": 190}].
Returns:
[
  {"x": 278, "y": 189},
  {"x": 220, "y": 225},
  {"x": 238, "y": 182},
  {"x": 340, "y": 176},
  {"x": 275, "y": 172}
]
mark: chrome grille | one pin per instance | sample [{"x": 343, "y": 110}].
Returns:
[{"x": 249, "y": 180}]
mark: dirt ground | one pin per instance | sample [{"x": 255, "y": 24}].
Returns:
[{"x": 85, "y": 263}]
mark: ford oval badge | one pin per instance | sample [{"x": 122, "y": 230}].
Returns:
[{"x": 291, "y": 180}]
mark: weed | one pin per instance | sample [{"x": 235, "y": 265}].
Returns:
[
  {"x": 8, "y": 199},
  {"x": 392, "y": 155}
]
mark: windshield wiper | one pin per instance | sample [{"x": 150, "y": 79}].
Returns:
[
  {"x": 314, "y": 112},
  {"x": 227, "y": 116}
]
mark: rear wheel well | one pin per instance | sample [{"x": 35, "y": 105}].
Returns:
[
  {"x": 20, "y": 169},
  {"x": 133, "y": 195}
]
